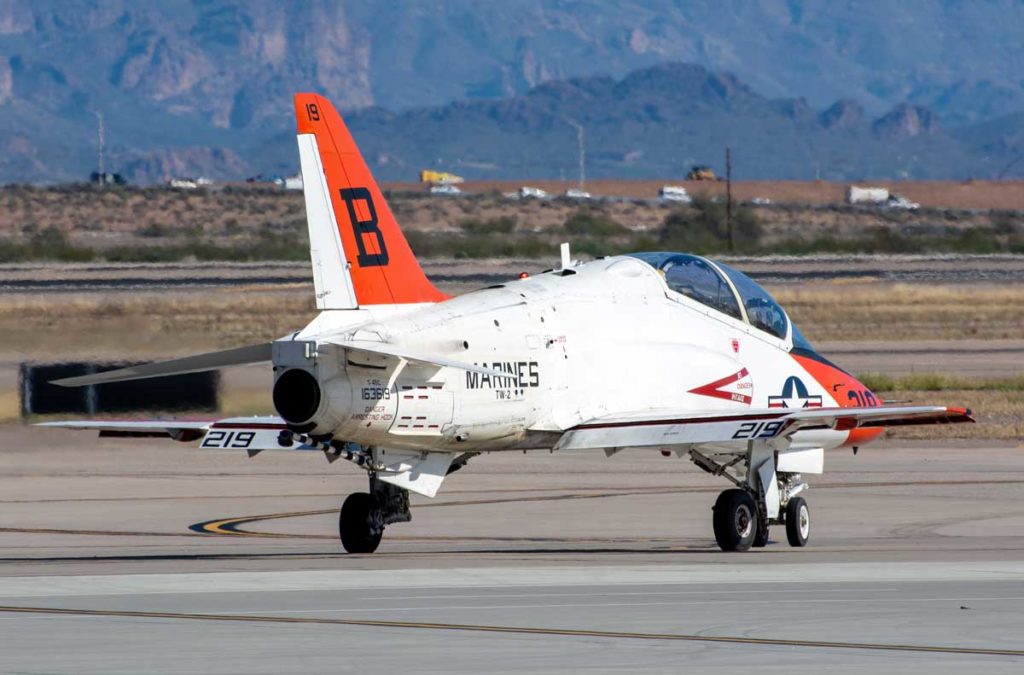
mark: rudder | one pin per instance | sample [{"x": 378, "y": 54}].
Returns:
[{"x": 381, "y": 265}]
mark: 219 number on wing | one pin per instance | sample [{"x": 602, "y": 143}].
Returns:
[
  {"x": 758, "y": 430},
  {"x": 228, "y": 439}
]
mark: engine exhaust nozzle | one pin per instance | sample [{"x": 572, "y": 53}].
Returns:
[{"x": 296, "y": 396}]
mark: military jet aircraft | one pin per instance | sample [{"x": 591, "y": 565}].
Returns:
[{"x": 665, "y": 352}]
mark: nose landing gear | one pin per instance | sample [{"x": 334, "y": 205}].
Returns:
[
  {"x": 798, "y": 522},
  {"x": 735, "y": 520}
]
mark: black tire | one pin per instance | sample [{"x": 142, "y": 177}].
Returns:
[
  {"x": 798, "y": 522},
  {"x": 735, "y": 520},
  {"x": 358, "y": 535},
  {"x": 761, "y": 538}
]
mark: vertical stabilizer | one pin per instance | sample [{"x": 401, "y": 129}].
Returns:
[{"x": 359, "y": 254}]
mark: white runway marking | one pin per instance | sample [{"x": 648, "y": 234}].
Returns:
[
  {"x": 498, "y": 577},
  {"x": 573, "y": 605}
]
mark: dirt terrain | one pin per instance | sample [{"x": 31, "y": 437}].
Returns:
[
  {"x": 272, "y": 221},
  {"x": 974, "y": 194}
]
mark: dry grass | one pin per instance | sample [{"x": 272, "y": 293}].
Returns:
[
  {"x": 1007, "y": 195},
  {"x": 243, "y": 402},
  {"x": 10, "y": 406},
  {"x": 180, "y": 322},
  {"x": 155, "y": 218},
  {"x": 999, "y": 414},
  {"x": 147, "y": 324},
  {"x": 844, "y": 311}
]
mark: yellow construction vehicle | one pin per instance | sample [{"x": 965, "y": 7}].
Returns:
[
  {"x": 701, "y": 173},
  {"x": 439, "y": 177}
]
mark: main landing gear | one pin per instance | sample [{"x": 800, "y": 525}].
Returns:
[
  {"x": 365, "y": 514},
  {"x": 762, "y": 497}
]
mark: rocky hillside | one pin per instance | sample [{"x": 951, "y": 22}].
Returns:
[
  {"x": 189, "y": 86},
  {"x": 658, "y": 122}
]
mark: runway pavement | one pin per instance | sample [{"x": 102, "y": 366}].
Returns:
[
  {"x": 131, "y": 556},
  {"x": 462, "y": 275}
]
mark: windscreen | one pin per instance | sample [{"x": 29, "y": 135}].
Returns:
[
  {"x": 762, "y": 310},
  {"x": 695, "y": 278}
]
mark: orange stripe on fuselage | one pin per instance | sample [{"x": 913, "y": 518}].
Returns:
[{"x": 847, "y": 391}]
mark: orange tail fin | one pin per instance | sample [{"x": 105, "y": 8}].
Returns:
[{"x": 383, "y": 269}]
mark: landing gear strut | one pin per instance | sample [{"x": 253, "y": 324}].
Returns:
[
  {"x": 762, "y": 497},
  {"x": 365, "y": 514}
]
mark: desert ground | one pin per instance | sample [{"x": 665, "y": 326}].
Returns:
[{"x": 269, "y": 223}]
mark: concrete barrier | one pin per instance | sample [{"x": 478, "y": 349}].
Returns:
[{"x": 177, "y": 393}]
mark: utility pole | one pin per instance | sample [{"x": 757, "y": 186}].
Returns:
[
  {"x": 579, "y": 146},
  {"x": 728, "y": 196},
  {"x": 99, "y": 144}
]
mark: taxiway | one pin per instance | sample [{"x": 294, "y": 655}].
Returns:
[{"x": 125, "y": 556}]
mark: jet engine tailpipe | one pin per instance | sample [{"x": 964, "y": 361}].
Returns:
[{"x": 296, "y": 396}]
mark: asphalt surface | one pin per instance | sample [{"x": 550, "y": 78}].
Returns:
[
  {"x": 130, "y": 556},
  {"x": 463, "y": 275},
  {"x": 908, "y": 618}
]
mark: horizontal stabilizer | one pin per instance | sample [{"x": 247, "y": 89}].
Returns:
[
  {"x": 414, "y": 356},
  {"x": 179, "y": 430},
  {"x": 189, "y": 364},
  {"x": 244, "y": 433}
]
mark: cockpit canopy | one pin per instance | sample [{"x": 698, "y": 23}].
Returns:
[{"x": 713, "y": 283}]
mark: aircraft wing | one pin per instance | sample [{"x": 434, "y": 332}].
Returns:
[
  {"x": 190, "y": 364},
  {"x": 179, "y": 430},
  {"x": 721, "y": 428}
]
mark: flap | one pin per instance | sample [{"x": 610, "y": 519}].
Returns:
[{"x": 419, "y": 472}]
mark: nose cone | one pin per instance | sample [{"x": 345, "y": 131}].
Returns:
[{"x": 296, "y": 396}]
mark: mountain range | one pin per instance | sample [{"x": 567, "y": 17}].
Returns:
[{"x": 918, "y": 89}]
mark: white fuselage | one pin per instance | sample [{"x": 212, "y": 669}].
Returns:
[{"x": 603, "y": 339}]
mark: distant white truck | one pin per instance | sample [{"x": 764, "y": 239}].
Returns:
[
  {"x": 290, "y": 182},
  {"x": 898, "y": 202},
  {"x": 189, "y": 183},
  {"x": 866, "y": 195},
  {"x": 674, "y": 193},
  {"x": 527, "y": 192},
  {"x": 444, "y": 189},
  {"x": 878, "y": 197}
]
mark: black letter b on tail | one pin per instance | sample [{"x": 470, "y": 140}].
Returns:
[{"x": 362, "y": 228}]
